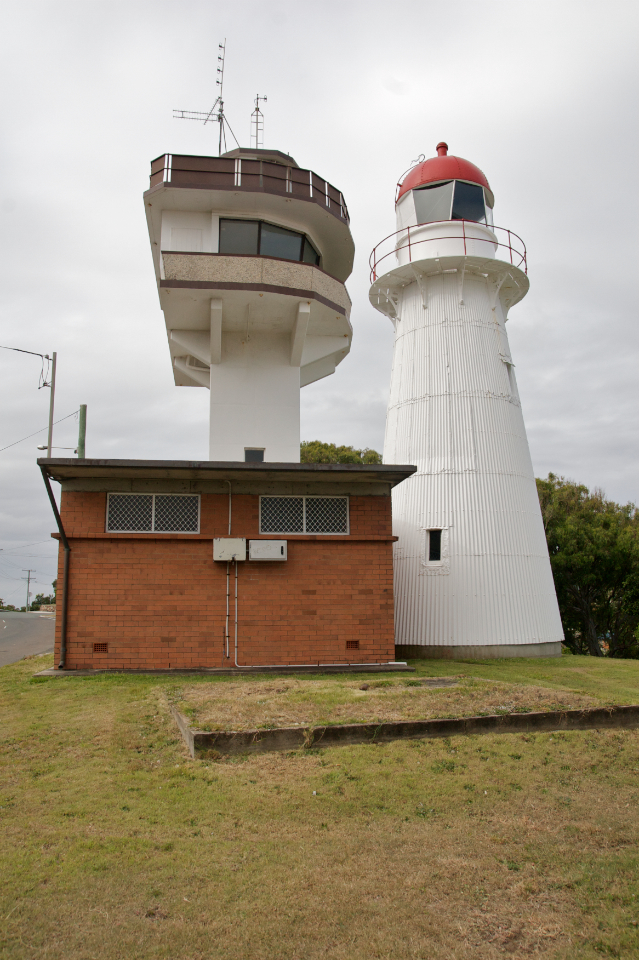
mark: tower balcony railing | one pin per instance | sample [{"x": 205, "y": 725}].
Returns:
[
  {"x": 409, "y": 244},
  {"x": 240, "y": 174}
]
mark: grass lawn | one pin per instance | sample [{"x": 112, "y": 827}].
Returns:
[{"x": 115, "y": 844}]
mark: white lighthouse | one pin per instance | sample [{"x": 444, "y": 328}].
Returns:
[
  {"x": 472, "y": 573},
  {"x": 251, "y": 253}
]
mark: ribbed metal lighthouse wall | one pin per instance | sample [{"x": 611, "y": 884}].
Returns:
[{"x": 455, "y": 413}]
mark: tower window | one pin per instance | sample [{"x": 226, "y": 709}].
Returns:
[
  {"x": 434, "y": 546},
  {"x": 253, "y": 237},
  {"x": 253, "y": 455},
  {"x": 310, "y": 254},
  {"x": 239, "y": 236},
  {"x": 276, "y": 242}
]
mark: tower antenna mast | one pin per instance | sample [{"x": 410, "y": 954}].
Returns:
[
  {"x": 257, "y": 124},
  {"x": 216, "y": 113}
]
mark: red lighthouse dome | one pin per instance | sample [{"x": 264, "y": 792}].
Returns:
[{"x": 443, "y": 167}]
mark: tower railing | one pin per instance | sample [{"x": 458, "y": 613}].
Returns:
[
  {"x": 226, "y": 173},
  {"x": 503, "y": 239}
]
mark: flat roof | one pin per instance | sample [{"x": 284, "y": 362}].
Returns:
[{"x": 69, "y": 468}]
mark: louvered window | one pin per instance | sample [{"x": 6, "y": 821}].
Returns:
[
  {"x": 304, "y": 515},
  {"x": 153, "y": 513}
]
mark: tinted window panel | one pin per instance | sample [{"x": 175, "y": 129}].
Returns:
[
  {"x": 468, "y": 202},
  {"x": 433, "y": 203},
  {"x": 239, "y": 236},
  {"x": 310, "y": 253},
  {"x": 277, "y": 242}
]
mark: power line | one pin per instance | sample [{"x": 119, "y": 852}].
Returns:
[
  {"x": 75, "y": 412},
  {"x": 23, "y": 546}
]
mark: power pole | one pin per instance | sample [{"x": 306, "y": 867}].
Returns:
[
  {"x": 28, "y": 579},
  {"x": 82, "y": 431},
  {"x": 50, "y": 437}
]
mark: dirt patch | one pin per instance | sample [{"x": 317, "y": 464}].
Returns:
[{"x": 249, "y": 705}]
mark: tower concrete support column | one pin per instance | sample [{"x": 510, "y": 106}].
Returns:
[
  {"x": 454, "y": 411},
  {"x": 255, "y": 399}
]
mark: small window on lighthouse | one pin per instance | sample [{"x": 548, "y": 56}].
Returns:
[
  {"x": 434, "y": 546},
  {"x": 468, "y": 202}
]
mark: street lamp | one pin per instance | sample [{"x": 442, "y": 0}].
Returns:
[
  {"x": 53, "y": 360},
  {"x": 44, "y": 447}
]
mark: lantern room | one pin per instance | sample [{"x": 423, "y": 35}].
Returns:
[{"x": 444, "y": 188}]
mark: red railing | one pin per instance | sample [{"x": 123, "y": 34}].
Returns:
[{"x": 515, "y": 245}]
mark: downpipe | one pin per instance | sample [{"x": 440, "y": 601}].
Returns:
[{"x": 65, "y": 584}]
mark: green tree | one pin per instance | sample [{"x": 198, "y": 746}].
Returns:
[
  {"x": 594, "y": 554},
  {"x": 314, "y": 451},
  {"x": 40, "y": 600}
]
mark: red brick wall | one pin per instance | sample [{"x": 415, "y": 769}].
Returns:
[{"x": 159, "y": 601}]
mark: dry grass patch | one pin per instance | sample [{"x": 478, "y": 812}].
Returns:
[{"x": 260, "y": 704}]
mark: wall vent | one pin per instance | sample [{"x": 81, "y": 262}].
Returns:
[
  {"x": 352, "y": 644},
  {"x": 100, "y": 647}
]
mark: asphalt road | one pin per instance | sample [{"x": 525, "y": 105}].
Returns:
[{"x": 25, "y": 634}]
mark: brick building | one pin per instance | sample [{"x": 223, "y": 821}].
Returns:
[{"x": 142, "y": 589}]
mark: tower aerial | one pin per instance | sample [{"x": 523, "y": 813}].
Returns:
[
  {"x": 472, "y": 572},
  {"x": 251, "y": 254}
]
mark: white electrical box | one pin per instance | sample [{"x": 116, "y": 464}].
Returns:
[
  {"x": 267, "y": 549},
  {"x": 229, "y": 548}
]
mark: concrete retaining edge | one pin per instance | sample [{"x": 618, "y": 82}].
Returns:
[
  {"x": 393, "y": 667},
  {"x": 225, "y": 743}
]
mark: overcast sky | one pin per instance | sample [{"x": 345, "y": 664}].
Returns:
[{"x": 541, "y": 96}]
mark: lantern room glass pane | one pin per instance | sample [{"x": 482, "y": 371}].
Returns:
[
  {"x": 433, "y": 203},
  {"x": 239, "y": 236},
  {"x": 468, "y": 202},
  {"x": 277, "y": 242}
]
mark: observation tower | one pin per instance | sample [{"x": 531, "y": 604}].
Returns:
[
  {"x": 251, "y": 254},
  {"x": 472, "y": 572}
]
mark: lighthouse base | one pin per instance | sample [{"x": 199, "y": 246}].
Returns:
[{"x": 489, "y": 651}]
